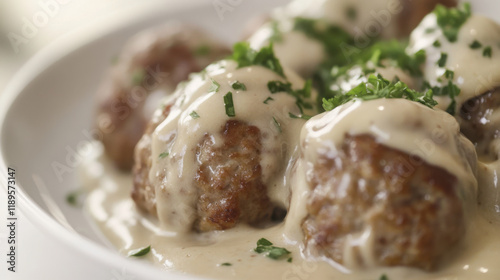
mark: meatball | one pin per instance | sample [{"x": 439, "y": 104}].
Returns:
[
  {"x": 149, "y": 67},
  {"x": 200, "y": 168},
  {"x": 390, "y": 181},
  {"x": 414, "y": 217}
]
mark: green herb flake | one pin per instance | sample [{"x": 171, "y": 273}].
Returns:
[
  {"x": 202, "y": 50},
  {"x": 228, "y": 103},
  {"x": 442, "y": 60},
  {"x": 377, "y": 87},
  {"x": 277, "y": 35},
  {"x": 451, "y": 19},
  {"x": 299, "y": 94},
  {"x": 487, "y": 52},
  {"x": 239, "y": 86},
  {"x": 268, "y": 99},
  {"x": 273, "y": 252},
  {"x": 448, "y": 74},
  {"x": 352, "y": 13},
  {"x": 450, "y": 89},
  {"x": 289, "y": 260},
  {"x": 139, "y": 252},
  {"x": 214, "y": 87},
  {"x": 436, "y": 44},
  {"x": 194, "y": 115},
  {"x": 226, "y": 264},
  {"x": 384, "y": 277},
  {"x": 293, "y": 116},
  {"x": 475, "y": 45},
  {"x": 164, "y": 155},
  {"x": 277, "y": 124},
  {"x": 138, "y": 76},
  {"x": 72, "y": 198},
  {"x": 245, "y": 56}
]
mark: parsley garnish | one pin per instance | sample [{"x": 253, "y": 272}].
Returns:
[
  {"x": 449, "y": 89},
  {"x": 164, "y": 155},
  {"x": 228, "y": 103},
  {"x": 378, "y": 87},
  {"x": 449, "y": 74},
  {"x": 276, "y": 36},
  {"x": 383, "y": 277},
  {"x": 266, "y": 246},
  {"x": 442, "y": 60},
  {"x": 352, "y": 13},
  {"x": 139, "y": 252},
  {"x": 72, "y": 198},
  {"x": 333, "y": 38},
  {"x": 194, "y": 115},
  {"x": 475, "y": 45},
  {"x": 214, "y": 87},
  {"x": 436, "y": 44},
  {"x": 277, "y": 124},
  {"x": 226, "y": 264},
  {"x": 268, "y": 99},
  {"x": 451, "y": 19},
  {"x": 290, "y": 260},
  {"x": 246, "y": 56},
  {"x": 487, "y": 52},
  {"x": 299, "y": 94},
  {"x": 237, "y": 85}
]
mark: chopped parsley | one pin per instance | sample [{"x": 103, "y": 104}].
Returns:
[
  {"x": 273, "y": 252},
  {"x": 139, "y": 252},
  {"x": 226, "y": 264},
  {"x": 333, "y": 38},
  {"x": 194, "y": 115},
  {"x": 299, "y": 94},
  {"x": 475, "y": 45},
  {"x": 487, "y": 52},
  {"x": 202, "y": 50},
  {"x": 450, "y": 89},
  {"x": 383, "y": 277},
  {"x": 378, "y": 87},
  {"x": 138, "y": 76},
  {"x": 237, "y": 85},
  {"x": 245, "y": 56},
  {"x": 277, "y": 35},
  {"x": 214, "y": 87},
  {"x": 451, "y": 19},
  {"x": 436, "y": 44},
  {"x": 164, "y": 155},
  {"x": 352, "y": 13},
  {"x": 72, "y": 198},
  {"x": 449, "y": 74},
  {"x": 277, "y": 124},
  {"x": 442, "y": 60},
  {"x": 267, "y": 100},
  {"x": 289, "y": 260},
  {"x": 305, "y": 117},
  {"x": 228, "y": 103}
]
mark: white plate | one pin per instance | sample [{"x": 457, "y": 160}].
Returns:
[{"x": 46, "y": 116}]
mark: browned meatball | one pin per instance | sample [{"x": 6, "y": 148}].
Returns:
[
  {"x": 413, "y": 212},
  {"x": 479, "y": 124},
  {"x": 228, "y": 179},
  {"x": 150, "y": 66}
]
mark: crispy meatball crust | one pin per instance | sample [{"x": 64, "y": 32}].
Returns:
[
  {"x": 154, "y": 61},
  {"x": 478, "y": 124},
  {"x": 228, "y": 178},
  {"x": 413, "y": 211}
]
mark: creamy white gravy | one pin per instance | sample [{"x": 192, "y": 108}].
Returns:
[
  {"x": 111, "y": 208},
  {"x": 475, "y": 73}
]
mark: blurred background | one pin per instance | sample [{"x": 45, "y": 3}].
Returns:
[{"x": 27, "y": 26}]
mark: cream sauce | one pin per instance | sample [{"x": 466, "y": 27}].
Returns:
[
  {"x": 113, "y": 211},
  {"x": 474, "y": 73},
  {"x": 180, "y": 134}
]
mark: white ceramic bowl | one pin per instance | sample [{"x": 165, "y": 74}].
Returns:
[{"x": 46, "y": 116}]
